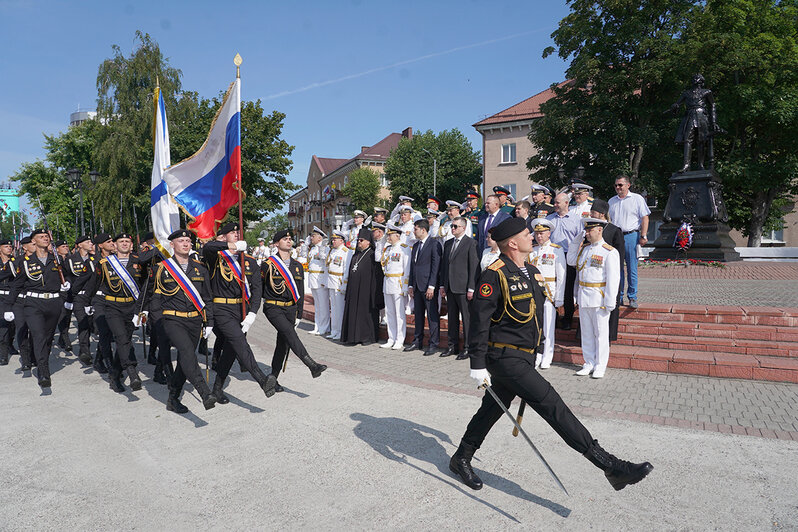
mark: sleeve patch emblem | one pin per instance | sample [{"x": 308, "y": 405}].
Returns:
[{"x": 485, "y": 290}]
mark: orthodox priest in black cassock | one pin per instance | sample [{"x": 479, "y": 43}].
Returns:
[{"x": 361, "y": 312}]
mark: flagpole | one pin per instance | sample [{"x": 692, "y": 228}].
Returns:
[{"x": 237, "y": 61}]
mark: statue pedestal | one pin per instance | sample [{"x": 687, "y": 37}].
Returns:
[{"x": 696, "y": 197}]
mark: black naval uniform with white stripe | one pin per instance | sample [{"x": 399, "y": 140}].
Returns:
[
  {"x": 228, "y": 316},
  {"x": 78, "y": 270},
  {"x": 17, "y": 307},
  {"x": 40, "y": 282},
  {"x": 6, "y": 326},
  {"x": 283, "y": 311},
  {"x": 184, "y": 325}
]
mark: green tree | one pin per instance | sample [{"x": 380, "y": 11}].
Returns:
[
  {"x": 748, "y": 52},
  {"x": 362, "y": 189},
  {"x": 12, "y": 222},
  {"x": 410, "y": 168},
  {"x": 625, "y": 69},
  {"x": 630, "y": 59},
  {"x": 266, "y": 228}
]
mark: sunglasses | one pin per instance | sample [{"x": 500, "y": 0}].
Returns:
[{"x": 620, "y": 185}]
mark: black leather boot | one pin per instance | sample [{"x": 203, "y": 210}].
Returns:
[
  {"x": 173, "y": 404},
  {"x": 619, "y": 473},
  {"x": 269, "y": 385},
  {"x": 99, "y": 365},
  {"x": 315, "y": 369},
  {"x": 221, "y": 398},
  {"x": 135, "y": 380},
  {"x": 158, "y": 375},
  {"x": 115, "y": 383},
  {"x": 460, "y": 465},
  {"x": 85, "y": 358}
]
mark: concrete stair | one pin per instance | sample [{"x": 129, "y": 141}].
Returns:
[{"x": 718, "y": 341}]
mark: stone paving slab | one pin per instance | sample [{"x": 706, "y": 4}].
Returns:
[{"x": 702, "y": 291}]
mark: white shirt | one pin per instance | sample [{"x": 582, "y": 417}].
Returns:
[
  {"x": 627, "y": 212},
  {"x": 488, "y": 257}
]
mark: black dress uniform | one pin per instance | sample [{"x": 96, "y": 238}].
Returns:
[
  {"x": 39, "y": 280},
  {"x": 282, "y": 312},
  {"x": 506, "y": 322},
  {"x": 184, "y": 326},
  {"x": 119, "y": 307},
  {"x": 17, "y": 306},
  {"x": 78, "y": 271},
  {"x": 227, "y": 305},
  {"x": 102, "y": 359},
  {"x": 6, "y": 327},
  {"x": 541, "y": 210}
]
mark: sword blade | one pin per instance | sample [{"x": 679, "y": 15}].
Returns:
[{"x": 545, "y": 463}]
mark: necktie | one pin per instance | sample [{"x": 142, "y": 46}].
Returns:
[
  {"x": 454, "y": 246},
  {"x": 490, "y": 221}
]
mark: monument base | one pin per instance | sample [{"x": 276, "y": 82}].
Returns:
[{"x": 695, "y": 197}]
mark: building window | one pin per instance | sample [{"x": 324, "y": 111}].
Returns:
[
  {"x": 346, "y": 179},
  {"x": 508, "y": 153},
  {"x": 511, "y": 188},
  {"x": 384, "y": 181}
]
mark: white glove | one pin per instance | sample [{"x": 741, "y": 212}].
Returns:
[
  {"x": 297, "y": 322},
  {"x": 480, "y": 375},
  {"x": 206, "y": 332},
  {"x": 241, "y": 245},
  {"x": 66, "y": 286},
  {"x": 8, "y": 316},
  {"x": 89, "y": 311},
  {"x": 248, "y": 321},
  {"x": 140, "y": 319},
  {"x": 68, "y": 305},
  {"x": 136, "y": 320}
]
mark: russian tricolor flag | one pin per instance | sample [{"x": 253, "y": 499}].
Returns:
[{"x": 203, "y": 183}]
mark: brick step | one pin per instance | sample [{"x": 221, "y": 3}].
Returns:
[
  {"x": 726, "y": 345},
  {"x": 707, "y": 314},
  {"x": 706, "y": 363},
  {"x": 709, "y": 330}
]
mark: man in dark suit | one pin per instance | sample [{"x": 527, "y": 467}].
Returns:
[
  {"x": 425, "y": 262},
  {"x": 459, "y": 271},
  {"x": 614, "y": 237},
  {"x": 492, "y": 216}
]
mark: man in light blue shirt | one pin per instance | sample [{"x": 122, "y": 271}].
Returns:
[{"x": 567, "y": 228}]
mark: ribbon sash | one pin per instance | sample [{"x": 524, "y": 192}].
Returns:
[
  {"x": 285, "y": 273},
  {"x": 234, "y": 265},
  {"x": 123, "y": 274},
  {"x": 173, "y": 267}
]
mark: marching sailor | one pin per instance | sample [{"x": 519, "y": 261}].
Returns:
[
  {"x": 79, "y": 268},
  {"x": 182, "y": 298},
  {"x": 7, "y": 273},
  {"x": 283, "y": 298},
  {"x": 231, "y": 292},
  {"x": 549, "y": 258},
  {"x": 505, "y": 331}
]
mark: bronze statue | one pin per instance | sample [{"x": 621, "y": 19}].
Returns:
[{"x": 699, "y": 124}]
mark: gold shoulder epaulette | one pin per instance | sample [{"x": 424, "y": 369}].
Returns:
[
  {"x": 555, "y": 245},
  {"x": 249, "y": 257},
  {"x": 498, "y": 263},
  {"x": 103, "y": 260},
  {"x": 404, "y": 245},
  {"x": 607, "y": 246}
]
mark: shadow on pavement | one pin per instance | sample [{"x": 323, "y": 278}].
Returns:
[
  {"x": 243, "y": 404},
  {"x": 397, "y": 439}
]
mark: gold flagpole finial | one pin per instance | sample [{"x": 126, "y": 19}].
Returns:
[
  {"x": 237, "y": 60},
  {"x": 157, "y": 81}
]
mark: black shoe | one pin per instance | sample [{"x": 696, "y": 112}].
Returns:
[
  {"x": 460, "y": 465},
  {"x": 619, "y": 473},
  {"x": 4, "y": 361},
  {"x": 25, "y": 367},
  {"x": 99, "y": 366},
  {"x": 269, "y": 386},
  {"x": 412, "y": 347},
  {"x": 45, "y": 382},
  {"x": 317, "y": 370},
  {"x": 462, "y": 356},
  {"x": 115, "y": 383},
  {"x": 565, "y": 325},
  {"x": 135, "y": 380},
  {"x": 221, "y": 398},
  {"x": 85, "y": 358},
  {"x": 159, "y": 377},
  {"x": 209, "y": 401},
  {"x": 430, "y": 351},
  {"x": 449, "y": 352},
  {"x": 13, "y": 351},
  {"x": 173, "y": 404},
  {"x": 277, "y": 387}
]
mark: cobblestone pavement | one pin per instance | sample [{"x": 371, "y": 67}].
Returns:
[
  {"x": 764, "y": 271},
  {"x": 756, "y": 408},
  {"x": 696, "y": 291}
]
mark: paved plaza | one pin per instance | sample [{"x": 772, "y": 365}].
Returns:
[{"x": 366, "y": 446}]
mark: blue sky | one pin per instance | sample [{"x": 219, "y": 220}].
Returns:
[{"x": 346, "y": 73}]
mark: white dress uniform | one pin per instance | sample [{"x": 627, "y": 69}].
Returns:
[
  {"x": 550, "y": 260},
  {"x": 337, "y": 275},
  {"x": 407, "y": 237},
  {"x": 581, "y": 210},
  {"x": 396, "y": 267},
  {"x": 598, "y": 271},
  {"x": 317, "y": 282},
  {"x": 261, "y": 253},
  {"x": 445, "y": 231}
]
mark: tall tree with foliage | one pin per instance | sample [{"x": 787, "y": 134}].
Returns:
[
  {"x": 410, "y": 168},
  {"x": 362, "y": 189},
  {"x": 625, "y": 69},
  {"x": 629, "y": 62}
]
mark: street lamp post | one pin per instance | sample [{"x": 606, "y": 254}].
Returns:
[
  {"x": 94, "y": 174},
  {"x": 74, "y": 175},
  {"x": 434, "y": 172}
]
